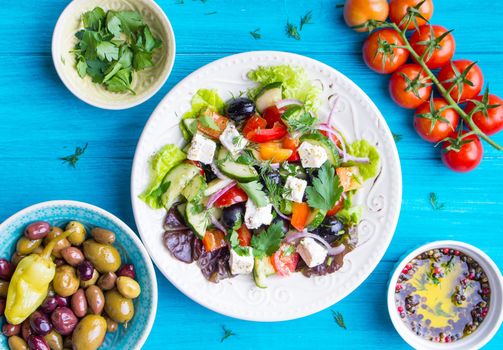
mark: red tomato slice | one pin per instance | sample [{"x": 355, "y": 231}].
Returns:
[
  {"x": 285, "y": 260},
  {"x": 273, "y": 115},
  {"x": 244, "y": 236},
  {"x": 265, "y": 135},
  {"x": 255, "y": 122},
  {"x": 232, "y": 196}
]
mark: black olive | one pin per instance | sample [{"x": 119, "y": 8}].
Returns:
[
  {"x": 232, "y": 214},
  {"x": 238, "y": 109},
  {"x": 208, "y": 172},
  {"x": 329, "y": 230}
]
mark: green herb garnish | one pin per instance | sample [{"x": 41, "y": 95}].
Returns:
[
  {"x": 292, "y": 31},
  {"x": 339, "y": 319},
  {"x": 210, "y": 13},
  {"x": 255, "y": 34},
  {"x": 74, "y": 158},
  {"x": 255, "y": 192},
  {"x": 227, "y": 333},
  {"x": 326, "y": 189},
  {"x": 268, "y": 241},
  {"x": 306, "y": 19},
  {"x": 434, "y": 202},
  {"x": 396, "y": 137},
  {"x": 112, "y": 46}
]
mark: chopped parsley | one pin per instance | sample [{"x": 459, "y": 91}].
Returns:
[
  {"x": 292, "y": 31},
  {"x": 74, "y": 158},
  {"x": 326, "y": 189}
]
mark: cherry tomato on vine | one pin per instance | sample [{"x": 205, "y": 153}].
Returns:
[
  {"x": 438, "y": 41},
  {"x": 464, "y": 76},
  {"x": 489, "y": 114},
  {"x": 380, "y": 53},
  {"x": 358, "y": 12},
  {"x": 410, "y": 86},
  {"x": 400, "y": 12},
  {"x": 462, "y": 154},
  {"x": 433, "y": 122}
]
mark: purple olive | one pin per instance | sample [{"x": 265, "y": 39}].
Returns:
[
  {"x": 64, "y": 320},
  {"x": 49, "y": 305},
  {"x": 40, "y": 323},
  {"x": 36, "y": 342},
  {"x": 59, "y": 262},
  {"x": 2, "y": 306},
  {"x": 126, "y": 270},
  {"x": 6, "y": 269},
  {"x": 61, "y": 301},
  {"x": 11, "y": 329},
  {"x": 85, "y": 270},
  {"x": 37, "y": 230},
  {"x": 26, "y": 329}
]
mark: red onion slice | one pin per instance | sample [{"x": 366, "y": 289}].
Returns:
[
  {"x": 219, "y": 194},
  {"x": 217, "y": 224},
  {"x": 303, "y": 234},
  {"x": 345, "y": 155},
  {"x": 217, "y": 172},
  {"x": 281, "y": 215},
  {"x": 288, "y": 102}
]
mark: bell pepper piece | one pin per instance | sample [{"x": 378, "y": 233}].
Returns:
[
  {"x": 265, "y": 135},
  {"x": 272, "y": 151},
  {"x": 220, "y": 121},
  {"x": 300, "y": 212},
  {"x": 255, "y": 122},
  {"x": 232, "y": 196},
  {"x": 244, "y": 236},
  {"x": 349, "y": 178},
  {"x": 213, "y": 239}
]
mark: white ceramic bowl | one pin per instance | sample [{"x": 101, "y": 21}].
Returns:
[
  {"x": 486, "y": 330},
  {"x": 145, "y": 83}
]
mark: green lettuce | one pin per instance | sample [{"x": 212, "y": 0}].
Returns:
[
  {"x": 161, "y": 163},
  {"x": 202, "y": 99},
  {"x": 362, "y": 148},
  {"x": 296, "y": 83},
  {"x": 350, "y": 215}
]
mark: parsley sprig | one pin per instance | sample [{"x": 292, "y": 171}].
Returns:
[
  {"x": 74, "y": 158},
  {"x": 326, "y": 189},
  {"x": 268, "y": 241}
]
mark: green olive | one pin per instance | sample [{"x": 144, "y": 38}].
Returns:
[
  {"x": 104, "y": 257},
  {"x": 117, "y": 307},
  {"x": 26, "y": 246},
  {"x": 54, "y": 340},
  {"x": 92, "y": 281},
  {"x": 89, "y": 333},
  {"x": 4, "y": 287},
  {"x": 128, "y": 287},
  {"x": 54, "y": 232},
  {"x": 17, "y": 343},
  {"x": 65, "y": 281},
  {"x": 79, "y": 232},
  {"x": 59, "y": 246}
]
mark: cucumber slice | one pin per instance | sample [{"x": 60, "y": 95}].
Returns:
[
  {"x": 181, "y": 209},
  {"x": 320, "y": 140},
  {"x": 194, "y": 188},
  {"x": 196, "y": 218},
  {"x": 268, "y": 96},
  {"x": 315, "y": 218},
  {"x": 216, "y": 185},
  {"x": 234, "y": 170},
  {"x": 261, "y": 269},
  {"x": 175, "y": 181}
]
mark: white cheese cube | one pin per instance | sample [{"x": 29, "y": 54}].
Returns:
[
  {"x": 241, "y": 264},
  {"x": 311, "y": 155},
  {"x": 201, "y": 149},
  {"x": 232, "y": 139},
  {"x": 294, "y": 189},
  {"x": 256, "y": 217},
  {"x": 311, "y": 252}
]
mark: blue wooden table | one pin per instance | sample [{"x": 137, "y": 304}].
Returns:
[{"x": 42, "y": 121}]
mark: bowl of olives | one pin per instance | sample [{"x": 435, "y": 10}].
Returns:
[{"x": 73, "y": 276}]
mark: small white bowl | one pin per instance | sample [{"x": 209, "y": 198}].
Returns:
[
  {"x": 486, "y": 330},
  {"x": 145, "y": 83}
]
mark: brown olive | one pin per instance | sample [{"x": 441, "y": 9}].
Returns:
[
  {"x": 4, "y": 287},
  {"x": 26, "y": 246},
  {"x": 11, "y": 329},
  {"x": 107, "y": 281},
  {"x": 95, "y": 299},
  {"x": 65, "y": 281},
  {"x": 128, "y": 287},
  {"x": 117, "y": 307},
  {"x": 16, "y": 258},
  {"x": 90, "y": 333},
  {"x": 79, "y": 232},
  {"x": 104, "y": 257},
  {"x": 17, "y": 343},
  {"x": 72, "y": 255},
  {"x": 112, "y": 326},
  {"x": 79, "y": 303},
  {"x": 102, "y": 235},
  {"x": 37, "y": 230},
  {"x": 67, "y": 342},
  {"x": 54, "y": 340},
  {"x": 92, "y": 281},
  {"x": 26, "y": 329},
  {"x": 53, "y": 233}
]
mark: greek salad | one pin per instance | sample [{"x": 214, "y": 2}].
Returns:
[{"x": 264, "y": 186}]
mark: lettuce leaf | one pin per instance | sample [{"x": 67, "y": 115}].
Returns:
[
  {"x": 350, "y": 215},
  {"x": 203, "y": 98},
  {"x": 296, "y": 83},
  {"x": 161, "y": 163},
  {"x": 362, "y": 148}
]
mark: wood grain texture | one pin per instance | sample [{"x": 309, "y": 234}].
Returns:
[{"x": 41, "y": 121}]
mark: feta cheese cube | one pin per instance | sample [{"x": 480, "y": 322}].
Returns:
[
  {"x": 241, "y": 264},
  {"x": 311, "y": 252},
  {"x": 256, "y": 217},
  {"x": 311, "y": 155},
  {"x": 201, "y": 149},
  {"x": 232, "y": 139},
  {"x": 294, "y": 189}
]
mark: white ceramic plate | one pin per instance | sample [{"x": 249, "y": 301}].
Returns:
[{"x": 295, "y": 296}]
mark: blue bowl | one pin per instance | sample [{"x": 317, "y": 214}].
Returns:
[{"x": 130, "y": 248}]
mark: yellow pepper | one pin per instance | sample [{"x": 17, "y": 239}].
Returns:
[{"x": 29, "y": 284}]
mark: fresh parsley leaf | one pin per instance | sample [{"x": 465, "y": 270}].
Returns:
[
  {"x": 112, "y": 70},
  {"x": 298, "y": 119},
  {"x": 434, "y": 202},
  {"x": 82, "y": 67},
  {"x": 96, "y": 69},
  {"x": 255, "y": 34},
  {"x": 126, "y": 57},
  {"x": 74, "y": 158},
  {"x": 142, "y": 60},
  {"x": 306, "y": 19},
  {"x": 121, "y": 81},
  {"x": 114, "y": 24},
  {"x": 339, "y": 319},
  {"x": 131, "y": 21},
  {"x": 208, "y": 122},
  {"x": 255, "y": 192},
  {"x": 227, "y": 333},
  {"x": 93, "y": 19},
  {"x": 326, "y": 189},
  {"x": 107, "y": 51},
  {"x": 268, "y": 241}
]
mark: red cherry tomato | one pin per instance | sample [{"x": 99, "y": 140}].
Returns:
[
  {"x": 196, "y": 163},
  {"x": 285, "y": 260},
  {"x": 292, "y": 144},
  {"x": 471, "y": 83},
  {"x": 433, "y": 124},
  {"x": 244, "y": 236},
  {"x": 467, "y": 157},
  {"x": 232, "y": 196},
  {"x": 398, "y": 9},
  {"x": 410, "y": 86},
  {"x": 273, "y": 115},
  {"x": 380, "y": 54},
  {"x": 265, "y": 135},
  {"x": 255, "y": 122},
  {"x": 443, "y": 50},
  {"x": 489, "y": 120},
  {"x": 358, "y": 12}
]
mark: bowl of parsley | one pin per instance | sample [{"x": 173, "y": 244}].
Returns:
[{"x": 113, "y": 54}]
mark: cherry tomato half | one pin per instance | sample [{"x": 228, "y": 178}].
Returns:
[
  {"x": 285, "y": 260},
  {"x": 254, "y": 123},
  {"x": 471, "y": 83},
  {"x": 380, "y": 54},
  {"x": 398, "y": 10},
  {"x": 358, "y": 12},
  {"x": 265, "y": 135},
  {"x": 467, "y": 157},
  {"x": 442, "y": 51},
  {"x": 410, "y": 86},
  {"x": 434, "y": 124},
  {"x": 232, "y": 196},
  {"x": 273, "y": 115},
  {"x": 244, "y": 236},
  {"x": 491, "y": 121}
]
